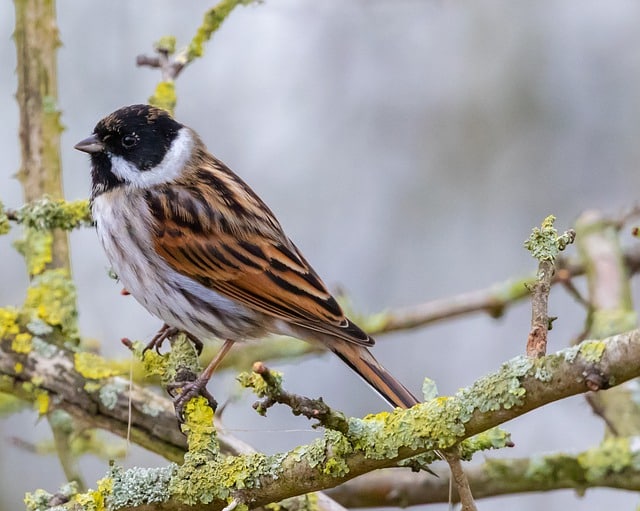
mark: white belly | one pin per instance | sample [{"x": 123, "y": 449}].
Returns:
[{"x": 125, "y": 227}]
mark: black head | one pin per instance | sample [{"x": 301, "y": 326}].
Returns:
[{"x": 138, "y": 136}]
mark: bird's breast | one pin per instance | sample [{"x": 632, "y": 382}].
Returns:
[{"x": 125, "y": 229}]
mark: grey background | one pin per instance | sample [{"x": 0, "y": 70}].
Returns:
[{"x": 407, "y": 146}]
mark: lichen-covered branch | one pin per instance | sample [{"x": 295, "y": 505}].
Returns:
[
  {"x": 36, "y": 39},
  {"x": 91, "y": 390},
  {"x": 171, "y": 64},
  {"x": 610, "y": 311},
  {"x": 267, "y": 384},
  {"x": 382, "y": 440},
  {"x": 613, "y": 464},
  {"x": 545, "y": 245}
]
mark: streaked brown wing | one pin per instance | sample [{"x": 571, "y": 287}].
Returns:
[{"x": 249, "y": 260}]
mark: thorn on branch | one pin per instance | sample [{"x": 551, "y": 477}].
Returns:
[
  {"x": 596, "y": 381},
  {"x": 267, "y": 384}
]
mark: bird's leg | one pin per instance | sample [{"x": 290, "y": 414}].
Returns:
[
  {"x": 167, "y": 332},
  {"x": 197, "y": 386}
]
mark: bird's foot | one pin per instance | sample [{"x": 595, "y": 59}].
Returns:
[
  {"x": 166, "y": 332},
  {"x": 186, "y": 386}
]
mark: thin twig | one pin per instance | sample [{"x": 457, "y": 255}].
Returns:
[
  {"x": 460, "y": 480},
  {"x": 272, "y": 392}
]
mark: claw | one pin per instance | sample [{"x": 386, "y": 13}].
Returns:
[
  {"x": 187, "y": 386},
  {"x": 166, "y": 332}
]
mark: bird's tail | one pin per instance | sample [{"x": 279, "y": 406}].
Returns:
[{"x": 369, "y": 369}]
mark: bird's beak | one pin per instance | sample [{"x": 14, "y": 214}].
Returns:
[{"x": 90, "y": 145}]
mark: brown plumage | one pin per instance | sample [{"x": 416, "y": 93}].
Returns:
[{"x": 202, "y": 250}]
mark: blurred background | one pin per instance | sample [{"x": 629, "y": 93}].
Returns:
[{"x": 407, "y": 146}]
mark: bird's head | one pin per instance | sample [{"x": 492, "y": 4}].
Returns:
[{"x": 137, "y": 145}]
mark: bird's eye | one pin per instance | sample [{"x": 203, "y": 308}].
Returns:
[{"x": 128, "y": 141}]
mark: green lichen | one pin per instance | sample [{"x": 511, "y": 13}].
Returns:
[
  {"x": 542, "y": 370},
  {"x": 35, "y": 246},
  {"x": 612, "y": 456},
  {"x": 544, "y": 243},
  {"x": 213, "y": 18},
  {"x": 51, "y": 297},
  {"x": 43, "y": 348},
  {"x": 151, "y": 409},
  {"x": 40, "y": 500},
  {"x": 607, "y": 322},
  {"x": 429, "y": 389},
  {"x": 45, "y": 214},
  {"x": 592, "y": 351},
  {"x": 5, "y": 226},
  {"x": 203, "y": 479},
  {"x": 94, "y": 367},
  {"x": 38, "y": 327},
  {"x": 166, "y": 44},
  {"x": 261, "y": 387},
  {"x": 495, "y": 438},
  {"x": 431, "y": 425},
  {"x": 138, "y": 486},
  {"x": 326, "y": 453},
  {"x": 501, "y": 390},
  {"x": 110, "y": 392},
  {"x": 570, "y": 354}
]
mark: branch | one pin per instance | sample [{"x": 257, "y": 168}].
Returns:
[
  {"x": 613, "y": 464},
  {"x": 610, "y": 310},
  {"x": 545, "y": 245},
  {"x": 267, "y": 384},
  {"x": 377, "y": 441},
  {"x": 84, "y": 385},
  {"x": 171, "y": 64},
  {"x": 36, "y": 39}
]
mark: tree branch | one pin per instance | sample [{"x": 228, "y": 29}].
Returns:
[
  {"x": 377, "y": 441},
  {"x": 613, "y": 464}
]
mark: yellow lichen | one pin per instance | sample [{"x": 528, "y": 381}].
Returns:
[
  {"x": 93, "y": 366},
  {"x": 93, "y": 500},
  {"x": 592, "y": 351},
  {"x": 198, "y": 425},
  {"x": 42, "y": 401},
  {"x": 18, "y": 368},
  {"x": 21, "y": 343},
  {"x": 35, "y": 246},
  {"x": 52, "y": 299},
  {"x": 154, "y": 363},
  {"x": 8, "y": 322}
]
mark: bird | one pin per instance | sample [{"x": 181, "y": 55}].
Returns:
[{"x": 197, "y": 247}]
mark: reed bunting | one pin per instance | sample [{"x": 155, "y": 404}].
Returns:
[{"x": 201, "y": 251}]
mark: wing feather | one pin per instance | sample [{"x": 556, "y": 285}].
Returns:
[{"x": 229, "y": 241}]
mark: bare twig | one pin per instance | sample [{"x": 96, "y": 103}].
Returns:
[{"x": 460, "y": 479}]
